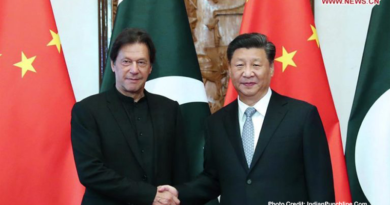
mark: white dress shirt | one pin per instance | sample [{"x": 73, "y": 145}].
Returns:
[{"x": 258, "y": 118}]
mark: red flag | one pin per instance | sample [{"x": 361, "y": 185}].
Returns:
[
  {"x": 36, "y": 98},
  {"x": 299, "y": 69}
]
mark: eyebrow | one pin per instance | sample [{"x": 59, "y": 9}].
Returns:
[
  {"x": 241, "y": 59},
  {"x": 124, "y": 58}
]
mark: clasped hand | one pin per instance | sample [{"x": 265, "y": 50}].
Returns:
[{"x": 166, "y": 195}]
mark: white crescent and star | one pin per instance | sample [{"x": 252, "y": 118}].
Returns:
[{"x": 372, "y": 153}]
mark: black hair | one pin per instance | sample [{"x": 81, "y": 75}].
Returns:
[
  {"x": 252, "y": 40},
  {"x": 131, "y": 36}
]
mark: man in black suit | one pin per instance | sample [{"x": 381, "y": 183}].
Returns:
[
  {"x": 263, "y": 147},
  {"x": 127, "y": 141}
]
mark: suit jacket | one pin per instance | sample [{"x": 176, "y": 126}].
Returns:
[
  {"x": 107, "y": 156},
  {"x": 291, "y": 160}
]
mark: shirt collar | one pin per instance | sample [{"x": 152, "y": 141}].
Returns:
[
  {"x": 261, "y": 105},
  {"x": 128, "y": 99}
]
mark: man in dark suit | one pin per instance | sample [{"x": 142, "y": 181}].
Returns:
[
  {"x": 127, "y": 141},
  {"x": 263, "y": 147}
]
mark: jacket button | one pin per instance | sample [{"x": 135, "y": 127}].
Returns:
[
  {"x": 144, "y": 177},
  {"x": 249, "y": 181}
]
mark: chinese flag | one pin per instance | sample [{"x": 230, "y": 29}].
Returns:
[
  {"x": 36, "y": 98},
  {"x": 299, "y": 69}
]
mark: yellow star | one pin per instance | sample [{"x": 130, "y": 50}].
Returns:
[
  {"x": 314, "y": 36},
  {"x": 26, "y": 64},
  {"x": 55, "y": 41},
  {"x": 287, "y": 59}
]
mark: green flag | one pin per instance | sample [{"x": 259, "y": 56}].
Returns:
[
  {"x": 368, "y": 140},
  {"x": 176, "y": 73}
]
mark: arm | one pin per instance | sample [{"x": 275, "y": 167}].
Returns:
[
  {"x": 318, "y": 168},
  {"x": 92, "y": 171},
  {"x": 206, "y": 186},
  {"x": 180, "y": 169}
]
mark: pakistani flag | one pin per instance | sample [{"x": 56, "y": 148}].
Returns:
[
  {"x": 176, "y": 73},
  {"x": 368, "y": 140}
]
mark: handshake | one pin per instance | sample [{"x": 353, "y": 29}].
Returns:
[{"x": 166, "y": 195}]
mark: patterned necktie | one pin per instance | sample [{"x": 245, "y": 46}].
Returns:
[{"x": 248, "y": 133}]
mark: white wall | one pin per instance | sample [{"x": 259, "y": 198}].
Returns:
[
  {"x": 342, "y": 30},
  {"x": 77, "y": 23}
]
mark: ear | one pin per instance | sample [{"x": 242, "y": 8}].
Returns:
[
  {"x": 112, "y": 66},
  {"x": 271, "y": 67},
  {"x": 150, "y": 70}
]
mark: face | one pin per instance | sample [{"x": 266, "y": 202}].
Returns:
[
  {"x": 132, "y": 68},
  {"x": 251, "y": 73}
]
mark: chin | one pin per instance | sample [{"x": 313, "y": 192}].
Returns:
[{"x": 249, "y": 92}]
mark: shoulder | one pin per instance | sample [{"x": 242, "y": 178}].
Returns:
[
  {"x": 161, "y": 100},
  {"x": 92, "y": 102},
  {"x": 292, "y": 103},
  {"x": 223, "y": 113},
  {"x": 94, "y": 98}
]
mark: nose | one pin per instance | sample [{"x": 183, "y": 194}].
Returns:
[
  {"x": 134, "y": 68},
  {"x": 247, "y": 72}
]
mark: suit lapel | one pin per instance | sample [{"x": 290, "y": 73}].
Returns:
[
  {"x": 276, "y": 111},
  {"x": 127, "y": 128},
  {"x": 232, "y": 128}
]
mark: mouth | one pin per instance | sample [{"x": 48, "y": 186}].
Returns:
[
  {"x": 248, "y": 84},
  {"x": 132, "y": 79}
]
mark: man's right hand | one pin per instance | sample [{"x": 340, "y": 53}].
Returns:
[{"x": 166, "y": 195}]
